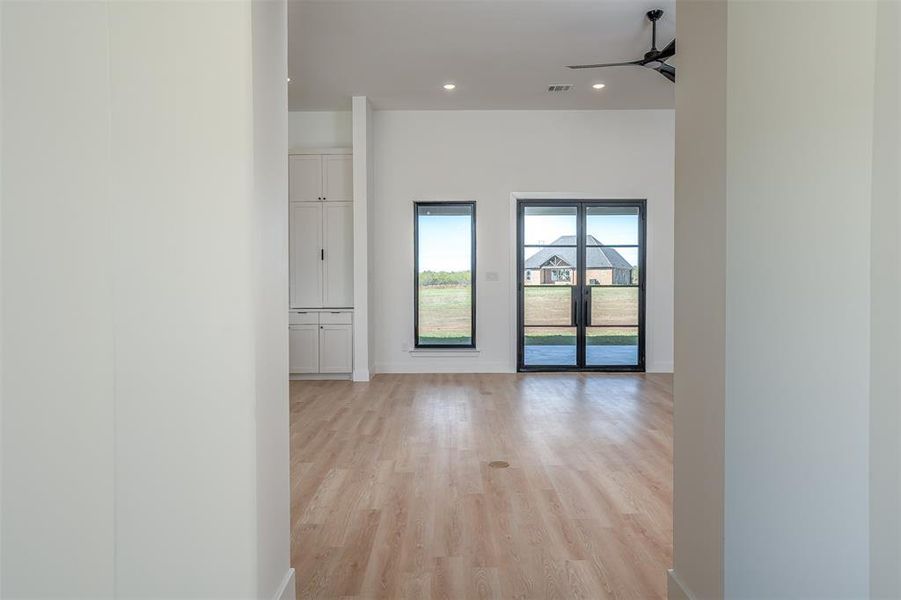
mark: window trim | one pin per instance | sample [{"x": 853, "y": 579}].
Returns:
[{"x": 473, "y": 277}]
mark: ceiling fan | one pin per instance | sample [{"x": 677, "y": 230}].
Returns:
[{"x": 653, "y": 59}]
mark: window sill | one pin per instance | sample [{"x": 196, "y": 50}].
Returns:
[{"x": 444, "y": 352}]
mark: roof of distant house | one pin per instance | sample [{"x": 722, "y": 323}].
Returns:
[{"x": 596, "y": 257}]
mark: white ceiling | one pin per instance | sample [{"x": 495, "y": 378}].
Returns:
[{"x": 501, "y": 54}]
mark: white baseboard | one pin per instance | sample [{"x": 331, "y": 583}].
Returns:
[
  {"x": 444, "y": 365},
  {"x": 286, "y": 590},
  {"x": 675, "y": 590},
  {"x": 361, "y": 375},
  {"x": 319, "y": 376},
  {"x": 448, "y": 365}
]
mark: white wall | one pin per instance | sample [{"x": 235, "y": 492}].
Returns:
[
  {"x": 320, "y": 129},
  {"x": 797, "y": 350},
  {"x": 363, "y": 170},
  {"x": 135, "y": 334},
  {"x": 58, "y": 391},
  {"x": 270, "y": 119},
  {"x": 485, "y": 156},
  {"x": 787, "y": 410},
  {"x": 885, "y": 317},
  {"x": 700, "y": 299}
]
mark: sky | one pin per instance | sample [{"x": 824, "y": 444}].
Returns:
[
  {"x": 444, "y": 241},
  {"x": 607, "y": 229}
]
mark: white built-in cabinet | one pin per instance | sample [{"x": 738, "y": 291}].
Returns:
[
  {"x": 320, "y": 342},
  {"x": 303, "y": 348},
  {"x": 321, "y": 230},
  {"x": 321, "y": 262},
  {"x": 305, "y": 260},
  {"x": 320, "y": 178},
  {"x": 338, "y": 254}
]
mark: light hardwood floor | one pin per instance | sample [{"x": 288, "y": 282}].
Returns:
[{"x": 393, "y": 496}]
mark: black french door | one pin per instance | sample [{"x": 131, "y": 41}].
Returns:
[{"x": 581, "y": 285}]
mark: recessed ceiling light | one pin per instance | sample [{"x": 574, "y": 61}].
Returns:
[
  {"x": 449, "y": 86},
  {"x": 599, "y": 86}
]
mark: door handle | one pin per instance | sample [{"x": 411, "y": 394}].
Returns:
[
  {"x": 588, "y": 308},
  {"x": 575, "y": 313}
]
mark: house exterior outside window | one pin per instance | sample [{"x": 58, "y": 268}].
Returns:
[{"x": 559, "y": 275}]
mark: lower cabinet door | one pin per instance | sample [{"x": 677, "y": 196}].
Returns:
[
  {"x": 335, "y": 348},
  {"x": 303, "y": 348}
]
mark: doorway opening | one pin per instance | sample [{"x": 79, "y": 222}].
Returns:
[{"x": 581, "y": 285}]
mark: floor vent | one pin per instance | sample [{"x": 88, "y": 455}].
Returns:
[
  {"x": 560, "y": 87},
  {"x": 498, "y": 464}
]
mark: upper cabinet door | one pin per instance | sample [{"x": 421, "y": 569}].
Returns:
[
  {"x": 337, "y": 178},
  {"x": 305, "y": 178},
  {"x": 338, "y": 273},
  {"x": 306, "y": 256}
]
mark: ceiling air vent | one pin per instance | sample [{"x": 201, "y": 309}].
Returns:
[{"x": 560, "y": 87}]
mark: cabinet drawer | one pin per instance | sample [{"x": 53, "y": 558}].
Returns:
[
  {"x": 334, "y": 317},
  {"x": 303, "y": 317}
]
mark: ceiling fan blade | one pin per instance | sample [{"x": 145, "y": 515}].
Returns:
[
  {"x": 620, "y": 64},
  {"x": 668, "y": 51},
  {"x": 667, "y": 71}
]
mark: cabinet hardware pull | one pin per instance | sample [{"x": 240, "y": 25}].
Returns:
[{"x": 322, "y": 254}]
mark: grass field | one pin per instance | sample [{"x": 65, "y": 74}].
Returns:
[
  {"x": 444, "y": 315},
  {"x": 553, "y": 306}
]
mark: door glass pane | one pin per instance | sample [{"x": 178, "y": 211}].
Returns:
[
  {"x": 611, "y": 266},
  {"x": 549, "y": 226},
  {"x": 614, "y": 306},
  {"x": 444, "y": 264},
  {"x": 613, "y": 346},
  {"x": 549, "y": 346},
  {"x": 548, "y": 305},
  {"x": 611, "y": 225}
]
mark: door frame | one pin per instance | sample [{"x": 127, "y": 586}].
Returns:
[{"x": 519, "y": 200}]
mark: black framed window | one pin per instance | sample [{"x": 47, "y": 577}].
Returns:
[{"x": 444, "y": 284}]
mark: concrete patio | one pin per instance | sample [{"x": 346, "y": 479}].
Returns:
[{"x": 541, "y": 355}]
